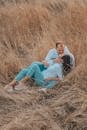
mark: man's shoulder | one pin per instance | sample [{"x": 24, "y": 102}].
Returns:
[{"x": 53, "y": 50}]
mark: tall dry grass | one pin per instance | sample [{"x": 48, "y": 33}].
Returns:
[{"x": 28, "y": 31}]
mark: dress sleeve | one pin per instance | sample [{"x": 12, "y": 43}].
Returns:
[{"x": 60, "y": 71}]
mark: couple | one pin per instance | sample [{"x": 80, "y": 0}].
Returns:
[{"x": 46, "y": 73}]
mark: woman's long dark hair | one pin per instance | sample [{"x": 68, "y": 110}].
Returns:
[{"x": 66, "y": 64}]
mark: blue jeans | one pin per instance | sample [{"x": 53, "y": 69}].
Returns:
[{"x": 34, "y": 72}]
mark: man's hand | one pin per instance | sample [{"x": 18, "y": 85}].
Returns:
[
  {"x": 45, "y": 63},
  {"x": 58, "y": 60},
  {"x": 61, "y": 55}
]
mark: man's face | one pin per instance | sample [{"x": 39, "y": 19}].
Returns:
[{"x": 60, "y": 49}]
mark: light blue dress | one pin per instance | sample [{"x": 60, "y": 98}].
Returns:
[{"x": 34, "y": 72}]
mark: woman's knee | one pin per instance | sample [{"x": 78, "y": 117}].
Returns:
[
  {"x": 35, "y": 66},
  {"x": 33, "y": 63},
  {"x": 24, "y": 70},
  {"x": 36, "y": 62}
]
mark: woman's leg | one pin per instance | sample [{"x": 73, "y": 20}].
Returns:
[
  {"x": 32, "y": 71},
  {"x": 19, "y": 77},
  {"x": 21, "y": 74},
  {"x": 40, "y": 65},
  {"x": 35, "y": 73}
]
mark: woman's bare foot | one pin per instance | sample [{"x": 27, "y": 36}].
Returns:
[
  {"x": 11, "y": 85},
  {"x": 20, "y": 86}
]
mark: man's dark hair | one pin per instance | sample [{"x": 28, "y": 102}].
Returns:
[
  {"x": 66, "y": 64},
  {"x": 58, "y": 43}
]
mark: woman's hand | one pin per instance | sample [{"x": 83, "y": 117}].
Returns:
[
  {"x": 48, "y": 79},
  {"x": 45, "y": 63},
  {"x": 55, "y": 79}
]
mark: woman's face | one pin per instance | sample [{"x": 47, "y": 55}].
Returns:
[{"x": 60, "y": 49}]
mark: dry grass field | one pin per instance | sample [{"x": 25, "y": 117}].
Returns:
[{"x": 28, "y": 29}]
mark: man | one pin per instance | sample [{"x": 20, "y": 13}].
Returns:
[{"x": 57, "y": 52}]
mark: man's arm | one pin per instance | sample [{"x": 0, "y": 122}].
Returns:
[
  {"x": 49, "y": 55},
  {"x": 58, "y": 60},
  {"x": 72, "y": 58}
]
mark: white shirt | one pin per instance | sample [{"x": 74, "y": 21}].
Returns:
[{"x": 52, "y": 54}]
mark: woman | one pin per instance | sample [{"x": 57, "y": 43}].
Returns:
[{"x": 46, "y": 78}]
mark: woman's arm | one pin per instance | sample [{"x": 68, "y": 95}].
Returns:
[
  {"x": 53, "y": 79},
  {"x": 45, "y": 63}
]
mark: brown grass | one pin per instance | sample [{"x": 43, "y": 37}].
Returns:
[
  {"x": 27, "y": 32},
  {"x": 32, "y": 27}
]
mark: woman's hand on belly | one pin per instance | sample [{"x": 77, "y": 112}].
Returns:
[{"x": 55, "y": 79}]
